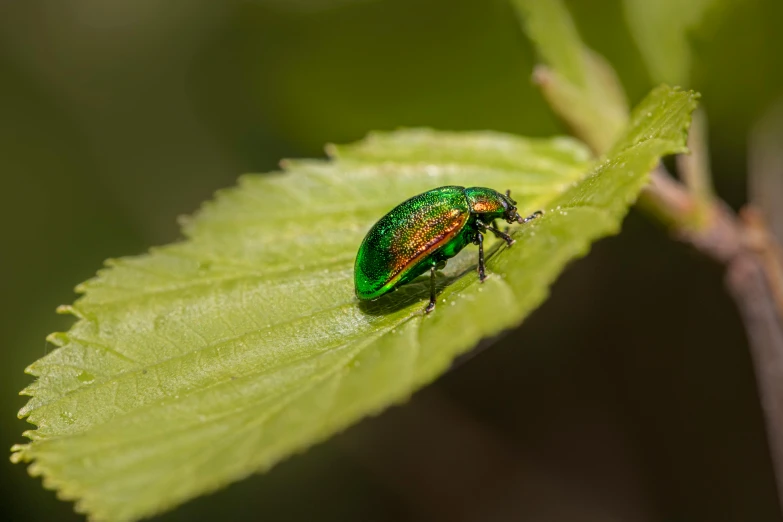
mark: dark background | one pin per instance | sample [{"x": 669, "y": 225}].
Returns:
[{"x": 628, "y": 396}]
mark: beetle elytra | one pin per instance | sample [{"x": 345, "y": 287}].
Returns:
[{"x": 420, "y": 234}]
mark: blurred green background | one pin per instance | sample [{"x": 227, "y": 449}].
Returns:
[{"x": 628, "y": 396}]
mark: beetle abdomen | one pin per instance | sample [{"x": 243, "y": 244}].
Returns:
[{"x": 399, "y": 245}]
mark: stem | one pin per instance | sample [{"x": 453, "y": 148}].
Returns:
[
  {"x": 721, "y": 235},
  {"x": 748, "y": 285},
  {"x": 754, "y": 277},
  {"x": 694, "y": 168}
]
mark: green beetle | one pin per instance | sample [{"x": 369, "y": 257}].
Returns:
[{"x": 421, "y": 233}]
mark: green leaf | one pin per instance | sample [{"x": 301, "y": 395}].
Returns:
[
  {"x": 661, "y": 29},
  {"x": 207, "y": 360},
  {"x": 579, "y": 85}
]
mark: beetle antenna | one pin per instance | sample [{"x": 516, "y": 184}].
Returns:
[{"x": 531, "y": 217}]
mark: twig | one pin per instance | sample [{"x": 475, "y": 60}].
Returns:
[
  {"x": 762, "y": 240},
  {"x": 747, "y": 284},
  {"x": 744, "y": 245},
  {"x": 721, "y": 235},
  {"x": 754, "y": 277}
]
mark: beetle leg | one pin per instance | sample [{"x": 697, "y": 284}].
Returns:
[
  {"x": 480, "y": 240},
  {"x": 431, "y": 305},
  {"x": 508, "y": 239}
]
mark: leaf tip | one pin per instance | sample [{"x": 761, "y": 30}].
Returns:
[
  {"x": 542, "y": 75},
  {"x": 71, "y": 309},
  {"x": 184, "y": 220},
  {"x": 331, "y": 150},
  {"x": 284, "y": 164},
  {"x": 18, "y": 453},
  {"x": 58, "y": 339}
]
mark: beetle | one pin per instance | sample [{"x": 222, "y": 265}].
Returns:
[{"x": 423, "y": 232}]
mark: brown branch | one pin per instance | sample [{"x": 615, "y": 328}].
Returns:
[
  {"x": 754, "y": 277},
  {"x": 720, "y": 235}
]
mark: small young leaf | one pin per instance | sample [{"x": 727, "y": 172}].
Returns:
[
  {"x": 211, "y": 359},
  {"x": 550, "y": 26},
  {"x": 579, "y": 85}
]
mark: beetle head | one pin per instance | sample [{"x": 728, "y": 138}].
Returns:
[{"x": 510, "y": 215}]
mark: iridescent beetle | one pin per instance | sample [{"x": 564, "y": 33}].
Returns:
[{"x": 421, "y": 233}]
